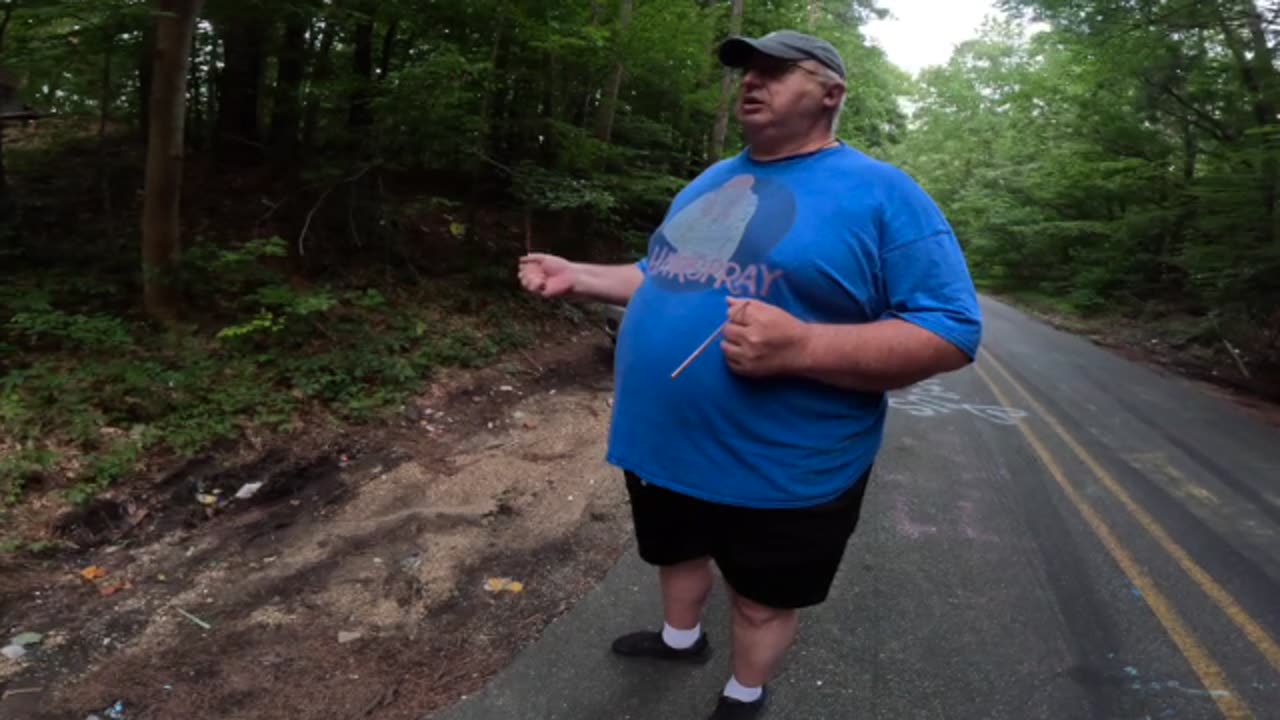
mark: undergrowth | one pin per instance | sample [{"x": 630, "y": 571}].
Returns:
[{"x": 86, "y": 393}]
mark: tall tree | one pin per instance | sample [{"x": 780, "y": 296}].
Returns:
[
  {"x": 321, "y": 75},
  {"x": 286, "y": 115},
  {"x": 388, "y": 48},
  {"x": 161, "y": 216},
  {"x": 721, "y": 129},
  {"x": 146, "y": 60},
  {"x": 8, "y": 92},
  {"x": 244, "y": 42},
  {"x": 360, "y": 113},
  {"x": 609, "y": 104}
]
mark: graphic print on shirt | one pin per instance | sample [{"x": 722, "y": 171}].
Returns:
[{"x": 723, "y": 239}]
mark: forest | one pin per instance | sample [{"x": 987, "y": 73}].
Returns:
[{"x": 224, "y": 220}]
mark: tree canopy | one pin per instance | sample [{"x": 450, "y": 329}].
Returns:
[{"x": 1123, "y": 157}]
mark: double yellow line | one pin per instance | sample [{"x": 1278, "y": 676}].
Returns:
[{"x": 1202, "y": 663}]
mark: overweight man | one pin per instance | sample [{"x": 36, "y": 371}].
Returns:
[{"x": 814, "y": 279}]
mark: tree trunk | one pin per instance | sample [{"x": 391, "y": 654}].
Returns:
[
  {"x": 5, "y": 17},
  {"x": 286, "y": 115},
  {"x": 240, "y": 87},
  {"x": 726, "y": 91},
  {"x": 8, "y": 90},
  {"x": 1267, "y": 82},
  {"x": 4, "y": 179},
  {"x": 360, "y": 114},
  {"x": 609, "y": 106},
  {"x": 146, "y": 65},
  {"x": 104, "y": 117},
  {"x": 549, "y": 151},
  {"x": 388, "y": 50},
  {"x": 196, "y": 128},
  {"x": 496, "y": 104},
  {"x": 583, "y": 113},
  {"x": 319, "y": 76},
  {"x": 175, "y": 24},
  {"x": 815, "y": 13},
  {"x": 1265, "y": 106}
]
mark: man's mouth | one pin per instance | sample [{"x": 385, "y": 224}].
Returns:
[{"x": 752, "y": 104}]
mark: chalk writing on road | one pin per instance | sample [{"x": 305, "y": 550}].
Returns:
[{"x": 930, "y": 398}]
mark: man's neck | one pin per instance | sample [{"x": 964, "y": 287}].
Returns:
[{"x": 768, "y": 149}]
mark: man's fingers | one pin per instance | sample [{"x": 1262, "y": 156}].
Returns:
[
  {"x": 533, "y": 282},
  {"x": 557, "y": 285},
  {"x": 738, "y": 310}
]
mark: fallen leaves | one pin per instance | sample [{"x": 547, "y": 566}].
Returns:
[
  {"x": 498, "y": 585},
  {"x": 113, "y": 588},
  {"x": 94, "y": 573}
]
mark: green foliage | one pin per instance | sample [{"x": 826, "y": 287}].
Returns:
[
  {"x": 547, "y": 190},
  {"x": 430, "y": 111},
  {"x": 87, "y": 395},
  {"x": 1112, "y": 164},
  {"x": 30, "y": 547},
  {"x": 90, "y": 333},
  {"x": 104, "y": 469},
  {"x": 18, "y": 468}
]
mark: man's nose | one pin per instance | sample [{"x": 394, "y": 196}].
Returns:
[{"x": 752, "y": 79}]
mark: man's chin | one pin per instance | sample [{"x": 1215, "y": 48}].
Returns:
[{"x": 752, "y": 120}]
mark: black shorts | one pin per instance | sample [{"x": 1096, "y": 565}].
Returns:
[{"x": 783, "y": 559}]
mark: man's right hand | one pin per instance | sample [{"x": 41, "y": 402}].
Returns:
[{"x": 547, "y": 275}]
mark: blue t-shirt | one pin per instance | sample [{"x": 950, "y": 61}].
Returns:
[{"x": 830, "y": 237}]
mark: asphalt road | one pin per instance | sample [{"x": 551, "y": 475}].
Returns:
[{"x": 1107, "y": 545}]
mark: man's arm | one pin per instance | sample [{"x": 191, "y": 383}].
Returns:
[
  {"x": 875, "y": 357},
  {"x": 932, "y": 324},
  {"x": 607, "y": 283},
  {"x": 554, "y": 277},
  {"x": 762, "y": 340}
]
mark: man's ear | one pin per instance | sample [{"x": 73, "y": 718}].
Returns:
[{"x": 834, "y": 95}]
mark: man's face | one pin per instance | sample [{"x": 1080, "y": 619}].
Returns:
[{"x": 785, "y": 94}]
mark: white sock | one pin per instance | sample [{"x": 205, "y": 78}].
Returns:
[
  {"x": 681, "y": 639},
  {"x": 738, "y": 691}
]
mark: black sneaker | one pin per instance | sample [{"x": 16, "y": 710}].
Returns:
[
  {"x": 729, "y": 709},
  {"x": 649, "y": 644}
]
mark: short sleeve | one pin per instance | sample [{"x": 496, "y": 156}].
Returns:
[{"x": 926, "y": 277}]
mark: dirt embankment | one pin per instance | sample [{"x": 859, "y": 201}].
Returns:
[{"x": 353, "y": 583}]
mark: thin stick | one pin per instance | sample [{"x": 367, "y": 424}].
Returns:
[
  {"x": 707, "y": 343},
  {"x": 533, "y": 362},
  {"x": 1235, "y": 354},
  {"x": 302, "y": 238},
  {"x": 701, "y": 349},
  {"x": 23, "y": 691},
  {"x": 194, "y": 619}
]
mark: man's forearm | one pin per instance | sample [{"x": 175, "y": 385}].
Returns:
[
  {"x": 606, "y": 283},
  {"x": 874, "y": 357}
]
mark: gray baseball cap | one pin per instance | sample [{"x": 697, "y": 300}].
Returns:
[{"x": 786, "y": 44}]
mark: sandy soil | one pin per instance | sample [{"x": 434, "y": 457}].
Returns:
[{"x": 353, "y": 584}]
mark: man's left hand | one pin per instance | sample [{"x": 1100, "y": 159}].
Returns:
[{"x": 762, "y": 340}]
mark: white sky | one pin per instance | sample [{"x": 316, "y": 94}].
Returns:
[{"x": 919, "y": 33}]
